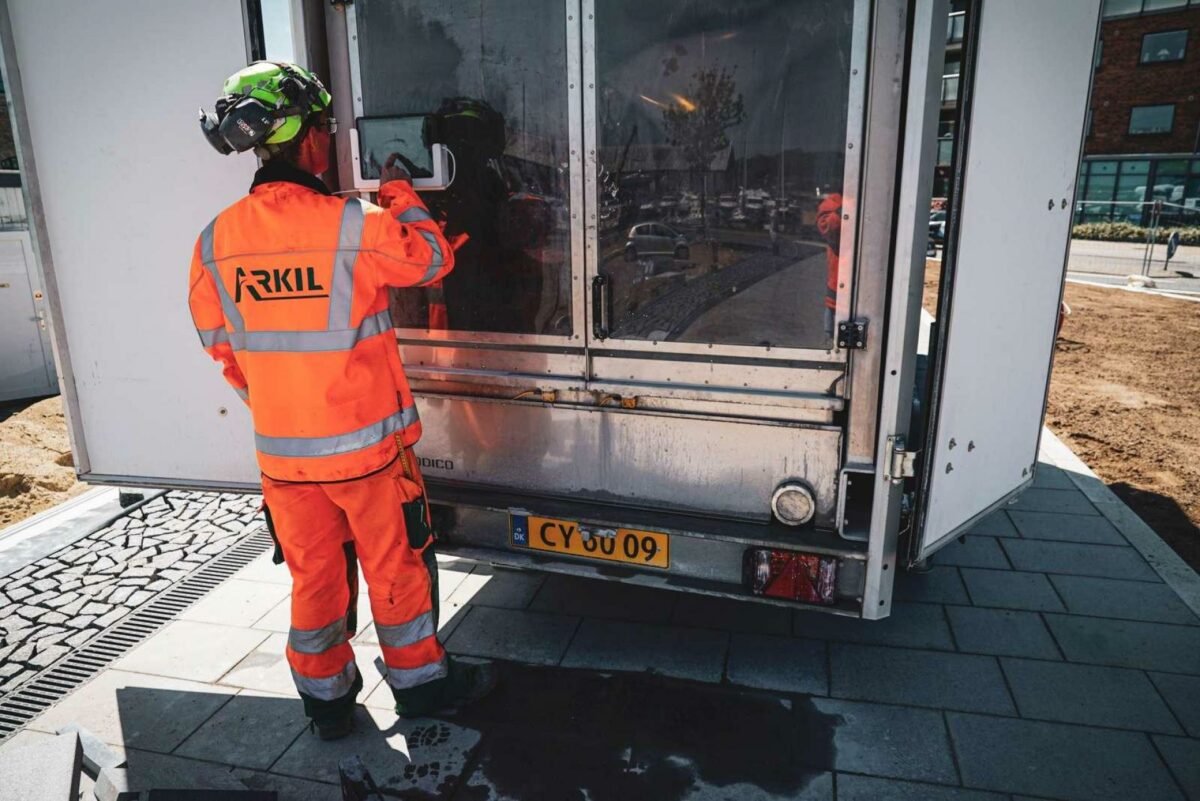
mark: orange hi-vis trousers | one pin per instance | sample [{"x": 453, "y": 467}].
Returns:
[{"x": 379, "y": 513}]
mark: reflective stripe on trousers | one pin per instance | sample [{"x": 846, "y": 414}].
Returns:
[
  {"x": 318, "y": 641},
  {"x": 328, "y": 688},
  {"x": 404, "y": 678},
  {"x": 405, "y": 634}
]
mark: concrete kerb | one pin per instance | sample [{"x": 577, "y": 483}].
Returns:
[{"x": 1177, "y": 574}]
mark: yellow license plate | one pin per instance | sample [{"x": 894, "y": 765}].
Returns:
[{"x": 631, "y": 546}]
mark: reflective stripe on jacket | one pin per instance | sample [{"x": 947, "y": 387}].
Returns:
[{"x": 289, "y": 293}]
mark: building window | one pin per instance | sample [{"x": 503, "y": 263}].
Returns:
[
  {"x": 1152, "y": 119},
  {"x": 1087, "y": 126},
  {"x": 1129, "y": 8},
  {"x": 1099, "y": 54},
  {"x": 1164, "y": 46}
]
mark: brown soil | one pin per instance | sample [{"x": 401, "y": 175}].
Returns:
[
  {"x": 1125, "y": 396},
  {"x": 36, "y": 469}
]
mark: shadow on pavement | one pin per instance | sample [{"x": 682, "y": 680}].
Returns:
[{"x": 546, "y": 733}]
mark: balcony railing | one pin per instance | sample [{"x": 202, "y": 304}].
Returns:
[{"x": 954, "y": 27}]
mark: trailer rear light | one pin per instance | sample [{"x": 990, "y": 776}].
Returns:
[{"x": 791, "y": 575}]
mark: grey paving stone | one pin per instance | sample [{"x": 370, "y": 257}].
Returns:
[
  {"x": 1057, "y": 760},
  {"x": 237, "y": 602},
  {"x": 412, "y": 758},
  {"x": 1002, "y": 632},
  {"x": 923, "y": 678},
  {"x": 46, "y": 770},
  {"x": 289, "y": 789},
  {"x": 1011, "y": 589},
  {"x": 1066, "y": 527},
  {"x": 709, "y": 611},
  {"x": 679, "y": 651},
  {"x": 188, "y": 650},
  {"x": 1079, "y": 559},
  {"x": 1038, "y": 499},
  {"x": 912, "y": 625},
  {"x": 940, "y": 585},
  {"x": 1183, "y": 758},
  {"x": 893, "y": 741},
  {"x": 573, "y": 595},
  {"x": 1182, "y": 694},
  {"x": 972, "y": 551},
  {"x": 1088, "y": 694},
  {"x": 851, "y": 787},
  {"x": 515, "y": 634},
  {"x": 1129, "y": 600},
  {"x": 131, "y": 709},
  {"x": 1127, "y": 643},
  {"x": 488, "y": 586},
  {"x": 996, "y": 524},
  {"x": 787, "y": 664},
  {"x": 1050, "y": 477},
  {"x": 251, "y": 731}
]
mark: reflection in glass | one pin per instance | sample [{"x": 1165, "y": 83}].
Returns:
[
  {"x": 721, "y": 129},
  {"x": 494, "y": 75}
]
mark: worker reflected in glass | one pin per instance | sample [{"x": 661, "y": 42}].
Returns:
[
  {"x": 510, "y": 254},
  {"x": 289, "y": 293},
  {"x": 829, "y": 226}
]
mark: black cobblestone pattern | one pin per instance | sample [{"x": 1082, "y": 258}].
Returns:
[{"x": 61, "y": 601}]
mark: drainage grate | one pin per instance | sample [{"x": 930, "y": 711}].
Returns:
[{"x": 43, "y": 690}]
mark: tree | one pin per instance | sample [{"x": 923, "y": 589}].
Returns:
[{"x": 699, "y": 120}]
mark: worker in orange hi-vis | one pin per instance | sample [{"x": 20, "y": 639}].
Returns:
[
  {"x": 289, "y": 292},
  {"x": 829, "y": 226}
]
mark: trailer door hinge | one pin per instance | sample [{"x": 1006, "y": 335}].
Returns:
[
  {"x": 900, "y": 463},
  {"x": 852, "y": 335}
]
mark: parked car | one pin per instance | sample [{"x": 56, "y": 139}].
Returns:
[
  {"x": 655, "y": 239},
  {"x": 937, "y": 227}
]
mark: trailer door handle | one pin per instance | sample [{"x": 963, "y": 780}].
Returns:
[{"x": 601, "y": 307}]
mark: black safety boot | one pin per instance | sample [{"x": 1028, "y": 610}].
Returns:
[
  {"x": 333, "y": 728},
  {"x": 465, "y": 683}
]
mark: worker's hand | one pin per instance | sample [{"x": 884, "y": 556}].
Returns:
[{"x": 393, "y": 170}]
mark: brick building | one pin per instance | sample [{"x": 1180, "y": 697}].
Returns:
[{"x": 1143, "y": 132}]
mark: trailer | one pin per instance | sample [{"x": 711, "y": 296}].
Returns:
[{"x": 683, "y": 346}]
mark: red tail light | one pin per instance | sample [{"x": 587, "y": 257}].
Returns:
[{"x": 792, "y": 575}]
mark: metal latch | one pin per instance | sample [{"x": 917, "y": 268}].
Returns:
[
  {"x": 852, "y": 335},
  {"x": 900, "y": 463}
]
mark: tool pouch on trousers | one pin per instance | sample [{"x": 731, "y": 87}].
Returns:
[{"x": 421, "y": 539}]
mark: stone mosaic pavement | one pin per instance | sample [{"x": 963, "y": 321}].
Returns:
[{"x": 1043, "y": 656}]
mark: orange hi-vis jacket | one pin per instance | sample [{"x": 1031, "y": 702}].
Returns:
[
  {"x": 289, "y": 293},
  {"x": 829, "y": 226}
]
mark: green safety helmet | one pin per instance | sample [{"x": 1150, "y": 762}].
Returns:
[{"x": 265, "y": 105}]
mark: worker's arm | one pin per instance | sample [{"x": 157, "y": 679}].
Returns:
[
  {"x": 405, "y": 246},
  {"x": 205, "y": 304}
]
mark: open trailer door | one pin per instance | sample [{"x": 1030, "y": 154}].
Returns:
[
  {"x": 115, "y": 233},
  {"x": 1026, "y": 97}
]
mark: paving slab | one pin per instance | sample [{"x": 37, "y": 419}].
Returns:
[
  {"x": 1096, "y": 696},
  {"x": 679, "y": 651},
  {"x": 922, "y": 678},
  {"x": 910, "y": 624},
  {"x": 728, "y": 614},
  {"x": 1182, "y": 694},
  {"x": 972, "y": 551},
  {"x": 1001, "y": 632},
  {"x": 188, "y": 650},
  {"x": 264, "y": 570},
  {"x": 1183, "y": 758},
  {"x": 252, "y": 731},
  {"x": 236, "y": 602},
  {"x": 940, "y": 584},
  {"x": 891, "y": 741},
  {"x": 1129, "y": 600},
  {"x": 289, "y": 789},
  {"x": 1058, "y": 760},
  {"x": 153, "y": 713},
  {"x": 997, "y": 524},
  {"x": 404, "y": 756},
  {"x": 852, "y": 787},
  {"x": 47, "y": 770},
  {"x": 1127, "y": 643},
  {"x": 1011, "y": 589},
  {"x": 1066, "y": 527},
  {"x": 785, "y": 664},
  {"x": 146, "y": 771},
  {"x": 1049, "y": 477},
  {"x": 519, "y": 635},
  {"x": 584, "y": 597},
  {"x": 497, "y": 587},
  {"x": 1080, "y": 559},
  {"x": 1038, "y": 499}
]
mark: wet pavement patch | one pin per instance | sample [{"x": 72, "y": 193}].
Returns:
[{"x": 574, "y": 734}]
